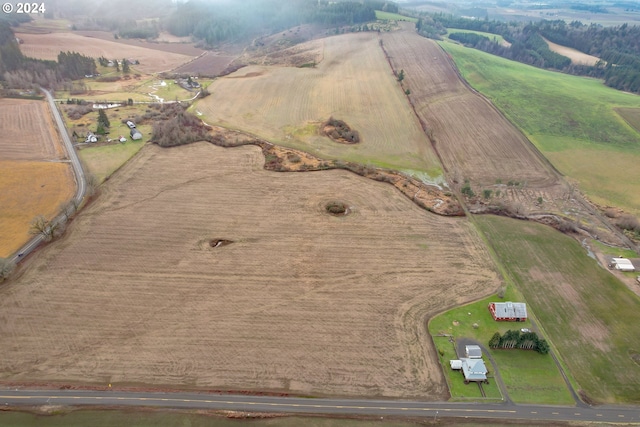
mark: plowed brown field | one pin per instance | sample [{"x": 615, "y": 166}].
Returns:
[
  {"x": 32, "y": 181},
  {"x": 473, "y": 139},
  {"x": 301, "y": 302},
  {"x": 48, "y": 46}
]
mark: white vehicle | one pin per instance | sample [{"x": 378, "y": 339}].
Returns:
[{"x": 131, "y": 124}]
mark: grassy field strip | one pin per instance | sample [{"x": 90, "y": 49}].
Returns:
[
  {"x": 572, "y": 120},
  {"x": 490, "y": 36},
  {"x": 592, "y": 319}
]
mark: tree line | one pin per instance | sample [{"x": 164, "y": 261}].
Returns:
[
  {"x": 521, "y": 340},
  {"x": 618, "y": 47},
  {"x": 216, "y": 23},
  {"x": 21, "y": 72}
]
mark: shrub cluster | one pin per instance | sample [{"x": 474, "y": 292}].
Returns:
[
  {"x": 516, "y": 339},
  {"x": 342, "y": 131},
  {"x": 179, "y": 128}
]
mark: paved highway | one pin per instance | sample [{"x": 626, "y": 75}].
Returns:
[
  {"x": 77, "y": 170},
  {"x": 17, "y": 397}
]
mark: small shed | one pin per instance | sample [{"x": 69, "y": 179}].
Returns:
[
  {"x": 91, "y": 138},
  {"x": 455, "y": 364},
  {"x": 622, "y": 264},
  {"x": 474, "y": 370},
  {"x": 473, "y": 352},
  {"x": 135, "y": 134},
  {"x": 122, "y": 139},
  {"x": 508, "y": 311}
]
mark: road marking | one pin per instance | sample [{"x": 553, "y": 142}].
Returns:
[
  {"x": 577, "y": 413},
  {"x": 534, "y": 412},
  {"x": 620, "y": 415},
  {"x": 555, "y": 413},
  {"x": 598, "y": 415}
]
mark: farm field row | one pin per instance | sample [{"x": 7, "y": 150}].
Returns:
[
  {"x": 29, "y": 189},
  {"x": 301, "y": 301},
  {"x": 591, "y": 317},
  {"x": 474, "y": 141},
  {"x": 353, "y": 82},
  {"x": 34, "y": 180},
  {"x": 572, "y": 120},
  {"x": 48, "y": 46}
]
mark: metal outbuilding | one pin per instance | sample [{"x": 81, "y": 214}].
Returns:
[{"x": 622, "y": 264}]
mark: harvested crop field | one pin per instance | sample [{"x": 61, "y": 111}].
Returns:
[
  {"x": 48, "y": 46},
  {"x": 27, "y": 131},
  {"x": 208, "y": 64},
  {"x": 32, "y": 180},
  {"x": 474, "y": 140},
  {"x": 300, "y": 301},
  {"x": 30, "y": 189},
  {"x": 574, "y": 55},
  {"x": 353, "y": 83}
]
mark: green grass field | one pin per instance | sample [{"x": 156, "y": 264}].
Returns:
[
  {"x": 529, "y": 376},
  {"x": 105, "y": 160},
  {"x": 490, "y": 36},
  {"x": 591, "y": 318},
  {"x": 387, "y": 16},
  {"x": 572, "y": 120}
]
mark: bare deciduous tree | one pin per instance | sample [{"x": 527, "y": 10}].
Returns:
[{"x": 41, "y": 225}]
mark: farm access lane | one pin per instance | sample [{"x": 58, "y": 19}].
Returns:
[
  {"x": 244, "y": 403},
  {"x": 77, "y": 170}
]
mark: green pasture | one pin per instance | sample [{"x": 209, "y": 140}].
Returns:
[
  {"x": 498, "y": 38},
  {"x": 530, "y": 377},
  {"x": 104, "y": 160},
  {"x": 617, "y": 252},
  {"x": 591, "y": 318},
  {"x": 574, "y": 122},
  {"x": 388, "y": 16}
]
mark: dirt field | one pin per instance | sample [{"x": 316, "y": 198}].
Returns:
[
  {"x": 576, "y": 56},
  {"x": 32, "y": 180},
  {"x": 353, "y": 82},
  {"x": 301, "y": 301},
  {"x": 47, "y": 46},
  {"x": 27, "y": 131},
  {"x": 209, "y": 64},
  {"x": 473, "y": 139}
]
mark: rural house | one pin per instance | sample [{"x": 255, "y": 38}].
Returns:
[
  {"x": 473, "y": 352},
  {"x": 508, "y": 311},
  {"x": 474, "y": 370},
  {"x": 622, "y": 264}
]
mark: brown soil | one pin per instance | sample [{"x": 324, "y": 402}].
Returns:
[
  {"x": 207, "y": 64},
  {"x": 478, "y": 145},
  {"x": 301, "y": 303},
  {"x": 282, "y": 159}
]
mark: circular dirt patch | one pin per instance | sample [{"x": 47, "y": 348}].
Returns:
[
  {"x": 216, "y": 243},
  {"x": 337, "y": 208}
]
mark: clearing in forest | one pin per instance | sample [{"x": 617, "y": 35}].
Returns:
[
  {"x": 210, "y": 272},
  {"x": 33, "y": 180},
  {"x": 574, "y": 55},
  {"x": 353, "y": 83}
]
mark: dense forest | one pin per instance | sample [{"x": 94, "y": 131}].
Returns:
[
  {"x": 221, "y": 22},
  {"x": 618, "y": 47}
]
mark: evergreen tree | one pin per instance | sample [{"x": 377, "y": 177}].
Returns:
[
  {"x": 125, "y": 66},
  {"x": 103, "y": 119}
]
